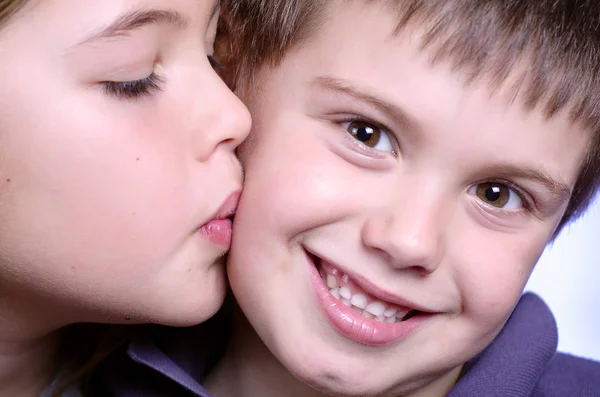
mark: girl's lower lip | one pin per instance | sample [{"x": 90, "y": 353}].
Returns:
[
  {"x": 356, "y": 327},
  {"x": 218, "y": 232}
]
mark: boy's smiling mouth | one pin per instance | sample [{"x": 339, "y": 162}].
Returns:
[
  {"x": 346, "y": 290},
  {"x": 359, "y": 310}
]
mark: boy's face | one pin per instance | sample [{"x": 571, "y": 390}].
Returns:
[{"x": 396, "y": 181}]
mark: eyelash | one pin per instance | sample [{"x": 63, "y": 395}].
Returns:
[
  {"x": 529, "y": 203},
  {"x": 133, "y": 89},
  {"x": 376, "y": 124},
  {"x": 214, "y": 63},
  {"x": 143, "y": 87}
]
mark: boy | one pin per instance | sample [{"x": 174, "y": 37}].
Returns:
[{"x": 409, "y": 161}]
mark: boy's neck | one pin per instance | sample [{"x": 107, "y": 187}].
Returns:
[{"x": 249, "y": 369}]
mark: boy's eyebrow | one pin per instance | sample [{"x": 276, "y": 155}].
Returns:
[
  {"x": 394, "y": 112},
  {"x": 557, "y": 187},
  {"x": 136, "y": 19}
]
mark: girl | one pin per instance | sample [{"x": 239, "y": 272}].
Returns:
[{"x": 117, "y": 173}]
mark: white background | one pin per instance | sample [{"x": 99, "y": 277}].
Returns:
[{"x": 567, "y": 277}]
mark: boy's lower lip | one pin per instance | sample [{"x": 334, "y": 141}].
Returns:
[
  {"x": 356, "y": 327},
  {"x": 218, "y": 232}
]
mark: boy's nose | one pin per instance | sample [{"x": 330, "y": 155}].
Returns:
[
  {"x": 225, "y": 122},
  {"x": 408, "y": 234}
]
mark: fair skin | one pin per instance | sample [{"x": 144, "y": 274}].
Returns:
[
  {"x": 113, "y": 198},
  {"x": 367, "y": 161}
]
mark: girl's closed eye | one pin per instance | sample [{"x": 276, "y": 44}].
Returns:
[
  {"x": 214, "y": 63},
  {"x": 134, "y": 89}
]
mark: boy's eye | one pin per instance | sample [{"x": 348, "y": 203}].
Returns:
[
  {"x": 498, "y": 195},
  {"x": 370, "y": 135}
]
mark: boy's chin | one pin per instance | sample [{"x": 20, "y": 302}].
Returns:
[
  {"x": 334, "y": 372},
  {"x": 328, "y": 383},
  {"x": 377, "y": 384},
  {"x": 325, "y": 373}
]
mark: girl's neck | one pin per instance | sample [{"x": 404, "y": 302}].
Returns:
[
  {"x": 27, "y": 366},
  {"x": 29, "y": 343}
]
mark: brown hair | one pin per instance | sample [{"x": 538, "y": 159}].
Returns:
[
  {"x": 558, "y": 39},
  {"x": 8, "y": 9}
]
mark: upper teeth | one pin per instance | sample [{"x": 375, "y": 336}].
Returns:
[
  {"x": 345, "y": 293},
  {"x": 374, "y": 308}
]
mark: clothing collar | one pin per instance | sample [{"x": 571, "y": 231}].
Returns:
[
  {"x": 144, "y": 351},
  {"x": 513, "y": 363},
  {"x": 509, "y": 367}
]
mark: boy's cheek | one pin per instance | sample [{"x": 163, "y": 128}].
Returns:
[
  {"x": 491, "y": 277},
  {"x": 490, "y": 304},
  {"x": 285, "y": 203}
]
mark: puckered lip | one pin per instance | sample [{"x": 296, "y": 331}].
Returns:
[{"x": 228, "y": 208}]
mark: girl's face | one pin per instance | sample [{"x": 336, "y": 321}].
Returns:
[{"x": 117, "y": 163}]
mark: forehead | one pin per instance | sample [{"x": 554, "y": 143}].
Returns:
[
  {"x": 61, "y": 20},
  {"x": 359, "y": 45}
]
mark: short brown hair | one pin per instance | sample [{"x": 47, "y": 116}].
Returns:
[
  {"x": 8, "y": 8},
  {"x": 559, "y": 40}
]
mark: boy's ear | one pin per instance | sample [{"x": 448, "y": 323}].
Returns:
[{"x": 223, "y": 50}]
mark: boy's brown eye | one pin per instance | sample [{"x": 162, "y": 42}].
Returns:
[
  {"x": 494, "y": 194},
  {"x": 370, "y": 135},
  {"x": 366, "y": 133},
  {"x": 498, "y": 195}
]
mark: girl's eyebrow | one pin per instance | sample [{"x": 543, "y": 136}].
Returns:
[{"x": 136, "y": 19}]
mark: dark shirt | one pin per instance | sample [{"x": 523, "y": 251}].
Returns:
[{"x": 522, "y": 361}]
